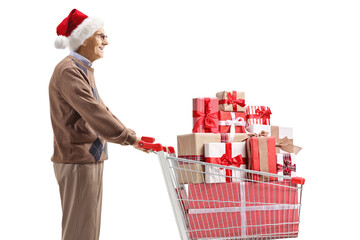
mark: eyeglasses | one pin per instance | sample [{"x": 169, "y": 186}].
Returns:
[{"x": 102, "y": 36}]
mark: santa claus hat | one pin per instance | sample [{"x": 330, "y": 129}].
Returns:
[{"x": 75, "y": 29}]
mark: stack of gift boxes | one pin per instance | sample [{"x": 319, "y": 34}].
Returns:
[{"x": 228, "y": 132}]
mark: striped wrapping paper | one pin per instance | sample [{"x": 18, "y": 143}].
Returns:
[{"x": 257, "y": 115}]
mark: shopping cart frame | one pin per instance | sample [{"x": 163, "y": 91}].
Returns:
[{"x": 165, "y": 154}]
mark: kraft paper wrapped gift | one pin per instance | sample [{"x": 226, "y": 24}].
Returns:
[
  {"x": 261, "y": 154},
  {"x": 227, "y": 154},
  {"x": 224, "y": 210},
  {"x": 190, "y": 173},
  {"x": 286, "y": 164},
  {"x": 257, "y": 115},
  {"x": 283, "y": 137},
  {"x": 232, "y": 101},
  {"x": 191, "y": 146},
  {"x": 205, "y": 115}
]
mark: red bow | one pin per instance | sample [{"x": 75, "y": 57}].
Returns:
[
  {"x": 264, "y": 113},
  {"x": 231, "y": 99},
  {"x": 207, "y": 118},
  {"x": 287, "y": 168},
  {"x": 227, "y": 160}
]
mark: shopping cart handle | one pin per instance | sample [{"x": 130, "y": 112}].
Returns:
[
  {"x": 148, "y": 144},
  {"x": 298, "y": 180},
  {"x": 151, "y": 146},
  {"x": 148, "y": 139},
  {"x": 170, "y": 150}
]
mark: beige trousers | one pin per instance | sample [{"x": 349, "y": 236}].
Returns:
[{"x": 81, "y": 197}]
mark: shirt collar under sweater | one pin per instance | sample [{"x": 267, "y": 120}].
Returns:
[{"x": 82, "y": 59}]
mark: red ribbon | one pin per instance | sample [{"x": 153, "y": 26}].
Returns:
[
  {"x": 227, "y": 160},
  {"x": 207, "y": 118},
  {"x": 263, "y": 113},
  {"x": 287, "y": 168},
  {"x": 231, "y": 99}
]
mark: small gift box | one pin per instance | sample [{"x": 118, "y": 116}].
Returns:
[
  {"x": 246, "y": 209},
  {"x": 227, "y": 154},
  {"x": 261, "y": 154},
  {"x": 232, "y": 122},
  {"x": 191, "y": 147},
  {"x": 231, "y": 101},
  {"x": 205, "y": 115},
  {"x": 283, "y": 137},
  {"x": 257, "y": 115},
  {"x": 286, "y": 164}
]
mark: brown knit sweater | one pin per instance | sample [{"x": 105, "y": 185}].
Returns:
[{"x": 81, "y": 122}]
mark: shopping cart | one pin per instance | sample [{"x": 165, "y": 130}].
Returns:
[{"x": 245, "y": 204}]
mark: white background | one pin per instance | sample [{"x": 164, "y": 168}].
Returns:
[{"x": 301, "y": 58}]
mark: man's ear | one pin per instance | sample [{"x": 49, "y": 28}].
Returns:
[{"x": 84, "y": 44}]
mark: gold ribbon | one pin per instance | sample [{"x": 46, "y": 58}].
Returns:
[
  {"x": 261, "y": 134},
  {"x": 284, "y": 144},
  {"x": 263, "y": 156},
  {"x": 287, "y": 145}
]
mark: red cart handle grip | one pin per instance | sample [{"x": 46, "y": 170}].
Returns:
[
  {"x": 298, "y": 180},
  {"x": 148, "y": 144},
  {"x": 148, "y": 139},
  {"x": 169, "y": 150},
  {"x": 151, "y": 146}
]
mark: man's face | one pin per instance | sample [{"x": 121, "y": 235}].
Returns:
[{"x": 93, "y": 47}]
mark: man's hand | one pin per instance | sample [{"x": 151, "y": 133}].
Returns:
[{"x": 136, "y": 145}]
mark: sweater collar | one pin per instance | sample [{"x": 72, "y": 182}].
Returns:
[{"x": 81, "y": 58}]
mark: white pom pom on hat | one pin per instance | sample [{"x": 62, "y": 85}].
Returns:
[
  {"x": 61, "y": 42},
  {"x": 75, "y": 29}
]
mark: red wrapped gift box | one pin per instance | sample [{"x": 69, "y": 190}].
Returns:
[
  {"x": 258, "y": 115},
  {"x": 261, "y": 153},
  {"x": 205, "y": 115},
  {"x": 243, "y": 209},
  {"x": 232, "y": 122}
]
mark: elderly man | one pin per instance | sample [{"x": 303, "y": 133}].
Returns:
[{"x": 82, "y": 125}]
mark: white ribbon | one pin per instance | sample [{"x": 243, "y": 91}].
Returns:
[
  {"x": 239, "y": 121},
  {"x": 245, "y": 209}
]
